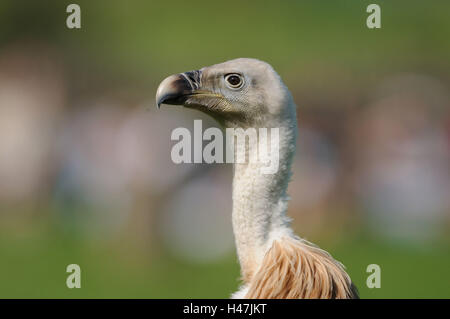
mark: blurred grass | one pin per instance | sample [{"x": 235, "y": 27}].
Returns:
[
  {"x": 34, "y": 267},
  {"x": 313, "y": 45},
  {"x": 156, "y": 37}
]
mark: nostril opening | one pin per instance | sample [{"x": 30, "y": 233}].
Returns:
[{"x": 194, "y": 78}]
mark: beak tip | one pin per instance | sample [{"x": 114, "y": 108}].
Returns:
[
  {"x": 174, "y": 90},
  {"x": 162, "y": 99}
]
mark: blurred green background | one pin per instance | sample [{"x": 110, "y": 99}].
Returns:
[{"x": 85, "y": 169}]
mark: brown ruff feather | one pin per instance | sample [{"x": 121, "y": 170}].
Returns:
[{"x": 294, "y": 269}]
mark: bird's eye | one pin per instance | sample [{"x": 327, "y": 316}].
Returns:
[{"x": 234, "y": 80}]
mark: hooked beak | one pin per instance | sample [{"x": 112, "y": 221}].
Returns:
[{"x": 177, "y": 88}]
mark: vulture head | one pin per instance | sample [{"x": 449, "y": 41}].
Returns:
[{"x": 242, "y": 92}]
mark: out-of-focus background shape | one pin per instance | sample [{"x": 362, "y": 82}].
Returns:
[{"x": 85, "y": 170}]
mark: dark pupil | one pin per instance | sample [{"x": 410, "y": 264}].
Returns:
[{"x": 234, "y": 80}]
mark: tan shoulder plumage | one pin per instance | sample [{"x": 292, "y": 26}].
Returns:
[{"x": 293, "y": 269}]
